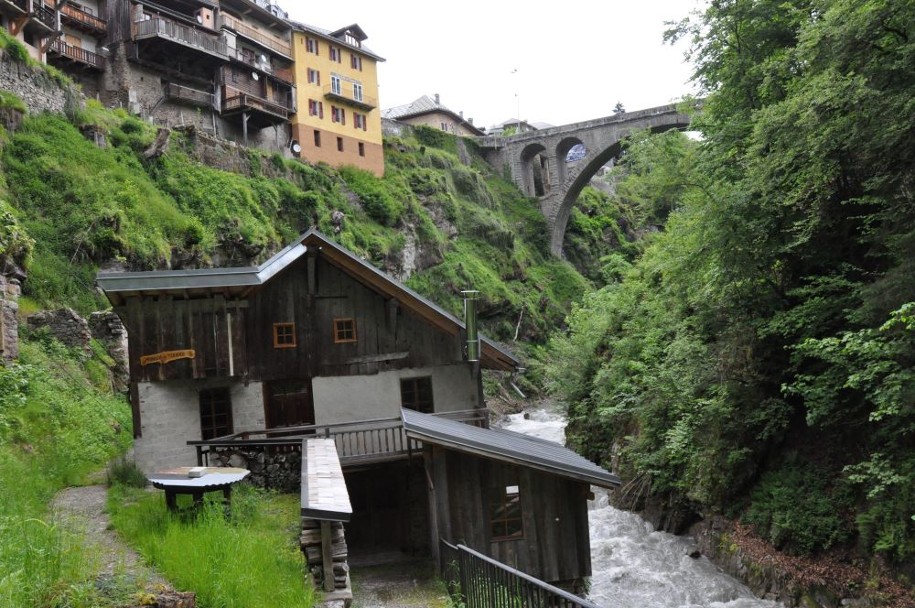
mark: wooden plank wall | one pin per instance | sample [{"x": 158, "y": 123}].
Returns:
[
  {"x": 556, "y": 544},
  {"x": 388, "y": 336}
]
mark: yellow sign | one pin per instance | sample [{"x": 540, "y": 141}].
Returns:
[{"x": 167, "y": 356}]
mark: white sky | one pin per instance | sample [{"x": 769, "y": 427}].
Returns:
[{"x": 554, "y": 62}]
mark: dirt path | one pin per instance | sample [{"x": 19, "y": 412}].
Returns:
[{"x": 82, "y": 509}]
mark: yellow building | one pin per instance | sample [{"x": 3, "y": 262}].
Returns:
[{"x": 338, "y": 119}]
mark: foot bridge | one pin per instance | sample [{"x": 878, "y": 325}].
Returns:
[{"x": 537, "y": 159}]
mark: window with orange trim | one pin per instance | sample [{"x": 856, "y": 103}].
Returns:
[
  {"x": 344, "y": 330},
  {"x": 284, "y": 335}
]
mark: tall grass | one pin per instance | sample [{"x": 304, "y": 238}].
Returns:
[
  {"x": 55, "y": 427},
  {"x": 250, "y": 559}
]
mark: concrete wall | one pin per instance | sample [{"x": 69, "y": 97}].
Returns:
[
  {"x": 170, "y": 417},
  {"x": 350, "y": 398}
]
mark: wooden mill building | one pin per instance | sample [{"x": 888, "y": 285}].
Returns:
[{"x": 317, "y": 342}]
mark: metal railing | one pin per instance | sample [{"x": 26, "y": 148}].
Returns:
[
  {"x": 78, "y": 54},
  {"x": 365, "y": 101},
  {"x": 275, "y": 44},
  {"x": 478, "y": 581},
  {"x": 79, "y": 15},
  {"x": 172, "y": 30},
  {"x": 189, "y": 95},
  {"x": 45, "y": 15}
]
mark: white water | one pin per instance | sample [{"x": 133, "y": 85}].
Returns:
[{"x": 634, "y": 566}]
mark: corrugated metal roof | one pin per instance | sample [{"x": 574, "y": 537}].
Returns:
[
  {"x": 122, "y": 284},
  {"x": 506, "y": 446}
]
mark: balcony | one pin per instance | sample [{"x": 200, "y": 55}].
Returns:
[
  {"x": 265, "y": 112},
  {"x": 43, "y": 18},
  {"x": 82, "y": 20},
  {"x": 358, "y": 443},
  {"x": 19, "y": 7},
  {"x": 78, "y": 55},
  {"x": 284, "y": 74},
  {"x": 339, "y": 93},
  {"x": 189, "y": 37},
  {"x": 182, "y": 94},
  {"x": 277, "y": 45}
]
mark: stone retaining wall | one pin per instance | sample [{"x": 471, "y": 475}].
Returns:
[{"x": 35, "y": 87}]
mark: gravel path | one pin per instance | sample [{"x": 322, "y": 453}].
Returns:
[
  {"x": 83, "y": 510},
  {"x": 401, "y": 585}
]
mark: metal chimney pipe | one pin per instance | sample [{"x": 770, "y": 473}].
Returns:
[{"x": 470, "y": 322}]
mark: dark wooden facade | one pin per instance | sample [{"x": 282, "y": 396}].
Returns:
[
  {"x": 233, "y": 336},
  {"x": 554, "y": 543}
]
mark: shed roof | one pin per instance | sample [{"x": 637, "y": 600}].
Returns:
[
  {"x": 506, "y": 446},
  {"x": 240, "y": 282}
]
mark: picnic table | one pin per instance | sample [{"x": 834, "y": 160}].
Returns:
[{"x": 196, "y": 481}]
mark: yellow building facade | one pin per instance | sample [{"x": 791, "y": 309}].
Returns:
[{"x": 338, "y": 117}]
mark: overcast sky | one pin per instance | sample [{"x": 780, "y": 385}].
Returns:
[{"x": 558, "y": 63}]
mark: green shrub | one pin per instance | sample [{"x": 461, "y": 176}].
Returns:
[
  {"x": 125, "y": 472},
  {"x": 382, "y": 199},
  {"x": 794, "y": 509}
]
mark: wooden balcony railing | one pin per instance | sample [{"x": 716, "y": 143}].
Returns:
[
  {"x": 284, "y": 74},
  {"x": 365, "y": 102},
  {"x": 188, "y": 95},
  {"x": 78, "y": 54},
  {"x": 161, "y": 27},
  {"x": 357, "y": 442},
  {"x": 81, "y": 17},
  {"x": 271, "y": 42},
  {"x": 246, "y": 101}
]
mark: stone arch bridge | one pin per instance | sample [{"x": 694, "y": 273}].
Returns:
[{"x": 537, "y": 159}]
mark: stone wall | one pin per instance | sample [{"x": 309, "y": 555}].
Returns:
[
  {"x": 107, "y": 328},
  {"x": 39, "y": 91},
  {"x": 280, "y": 469},
  {"x": 64, "y": 324},
  {"x": 9, "y": 317}
]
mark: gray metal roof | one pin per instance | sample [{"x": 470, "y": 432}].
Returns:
[
  {"x": 506, "y": 446},
  {"x": 336, "y": 36},
  {"x": 426, "y": 105}
]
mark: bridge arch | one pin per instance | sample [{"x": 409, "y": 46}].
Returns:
[
  {"x": 563, "y": 148},
  {"x": 535, "y": 169}
]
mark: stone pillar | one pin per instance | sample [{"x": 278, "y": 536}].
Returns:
[
  {"x": 107, "y": 328},
  {"x": 9, "y": 317}
]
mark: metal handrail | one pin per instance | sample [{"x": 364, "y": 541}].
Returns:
[
  {"x": 45, "y": 15},
  {"x": 483, "y": 582}
]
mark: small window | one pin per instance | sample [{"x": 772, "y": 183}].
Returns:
[
  {"x": 416, "y": 394},
  {"x": 361, "y": 149},
  {"x": 215, "y": 413},
  {"x": 317, "y": 139},
  {"x": 311, "y": 45},
  {"x": 505, "y": 513},
  {"x": 284, "y": 335},
  {"x": 339, "y": 144},
  {"x": 344, "y": 330},
  {"x": 314, "y": 76},
  {"x": 357, "y": 91},
  {"x": 356, "y": 62}
]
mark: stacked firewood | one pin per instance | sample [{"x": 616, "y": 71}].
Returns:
[{"x": 310, "y": 541}]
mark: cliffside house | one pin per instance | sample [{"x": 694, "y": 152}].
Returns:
[
  {"x": 431, "y": 113},
  {"x": 236, "y": 69},
  {"x": 316, "y": 342},
  {"x": 336, "y": 75}
]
